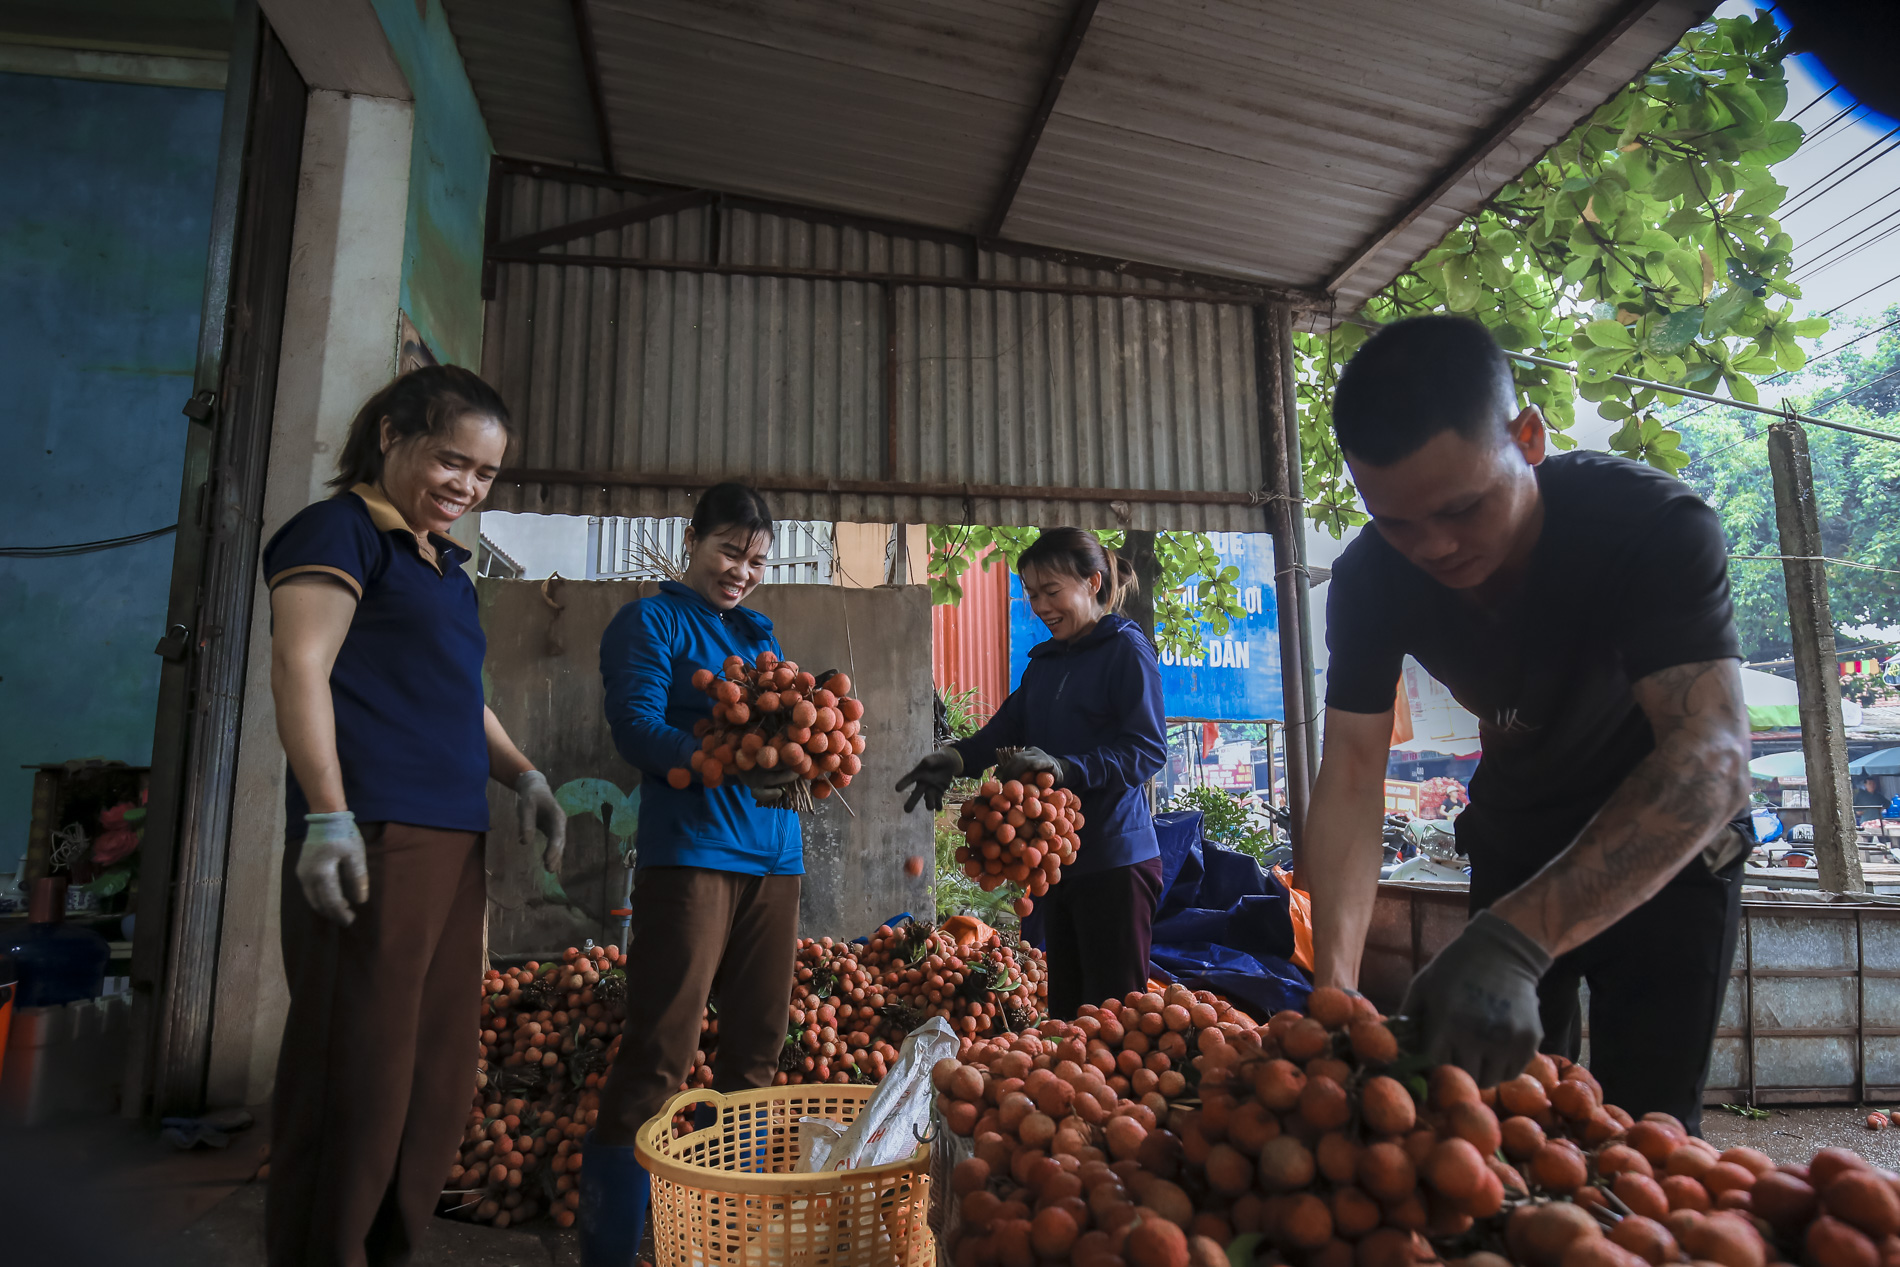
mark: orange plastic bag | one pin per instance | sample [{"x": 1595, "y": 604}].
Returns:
[
  {"x": 968, "y": 930},
  {"x": 1300, "y": 907}
]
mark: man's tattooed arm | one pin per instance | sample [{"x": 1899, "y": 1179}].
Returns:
[{"x": 1665, "y": 812}]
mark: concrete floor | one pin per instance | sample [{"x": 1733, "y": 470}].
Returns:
[
  {"x": 109, "y": 1192},
  {"x": 1796, "y": 1134},
  {"x": 232, "y": 1235}
]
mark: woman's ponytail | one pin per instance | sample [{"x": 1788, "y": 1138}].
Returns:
[{"x": 1127, "y": 584}]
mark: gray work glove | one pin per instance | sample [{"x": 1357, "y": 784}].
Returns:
[
  {"x": 932, "y": 777},
  {"x": 1475, "y": 1003},
  {"x": 1026, "y": 763},
  {"x": 769, "y": 788},
  {"x": 535, "y": 807},
  {"x": 332, "y": 865}
]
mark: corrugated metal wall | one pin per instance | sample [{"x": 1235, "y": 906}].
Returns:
[
  {"x": 969, "y": 646},
  {"x": 615, "y": 369}
]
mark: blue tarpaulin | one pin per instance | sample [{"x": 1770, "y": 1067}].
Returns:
[{"x": 1224, "y": 924}]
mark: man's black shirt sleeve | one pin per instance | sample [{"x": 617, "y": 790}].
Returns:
[
  {"x": 1673, "y": 606},
  {"x": 1364, "y": 653}
]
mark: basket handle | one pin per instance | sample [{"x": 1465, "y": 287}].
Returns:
[{"x": 684, "y": 1098}]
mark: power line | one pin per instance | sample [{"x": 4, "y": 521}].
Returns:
[
  {"x": 1834, "y": 263},
  {"x": 1821, "y": 131},
  {"x": 1866, "y": 334},
  {"x": 1847, "y": 162},
  {"x": 1842, "y": 259},
  {"x": 1858, "y": 390},
  {"x": 1838, "y": 426},
  {"x": 1816, "y": 261},
  {"x": 1863, "y": 294},
  {"x": 82, "y": 547},
  {"x": 1843, "y": 180},
  {"x": 1672, "y": 390},
  {"x": 1810, "y": 558},
  {"x": 1817, "y": 101},
  {"x": 1867, "y": 206},
  {"x": 1771, "y": 664},
  {"x": 1716, "y": 453}
]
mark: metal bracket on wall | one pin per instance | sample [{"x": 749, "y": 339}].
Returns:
[{"x": 199, "y": 407}]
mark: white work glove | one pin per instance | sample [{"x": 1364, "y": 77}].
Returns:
[
  {"x": 333, "y": 864},
  {"x": 535, "y": 807}
]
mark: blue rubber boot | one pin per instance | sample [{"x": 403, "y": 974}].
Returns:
[{"x": 615, "y": 1188}]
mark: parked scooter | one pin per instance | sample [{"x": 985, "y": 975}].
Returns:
[{"x": 1434, "y": 856}]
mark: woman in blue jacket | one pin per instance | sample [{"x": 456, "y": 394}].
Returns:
[
  {"x": 1088, "y": 711},
  {"x": 715, "y": 890}
]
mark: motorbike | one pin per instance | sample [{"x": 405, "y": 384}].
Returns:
[{"x": 1422, "y": 849}]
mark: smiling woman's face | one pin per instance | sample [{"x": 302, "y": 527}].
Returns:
[
  {"x": 1069, "y": 605},
  {"x": 726, "y": 565},
  {"x": 436, "y": 479}
]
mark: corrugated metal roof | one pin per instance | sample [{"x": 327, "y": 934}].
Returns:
[
  {"x": 642, "y": 373},
  {"x": 1269, "y": 140},
  {"x": 525, "y": 65},
  {"x": 904, "y": 108}
]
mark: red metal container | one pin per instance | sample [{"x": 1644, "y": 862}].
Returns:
[{"x": 969, "y": 648}]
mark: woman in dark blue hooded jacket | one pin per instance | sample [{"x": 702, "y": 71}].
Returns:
[{"x": 1087, "y": 711}]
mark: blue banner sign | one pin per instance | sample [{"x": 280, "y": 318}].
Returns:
[{"x": 1236, "y": 677}]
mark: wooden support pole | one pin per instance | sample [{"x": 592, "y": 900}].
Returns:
[
  {"x": 1816, "y": 672},
  {"x": 1139, "y": 549},
  {"x": 1280, "y": 453}
]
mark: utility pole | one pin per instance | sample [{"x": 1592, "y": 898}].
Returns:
[{"x": 1816, "y": 672}]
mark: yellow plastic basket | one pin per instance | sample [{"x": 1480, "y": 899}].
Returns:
[{"x": 731, "y": 1194}]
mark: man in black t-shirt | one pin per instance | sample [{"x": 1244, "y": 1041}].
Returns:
[{"x": 1578, "y": 605}]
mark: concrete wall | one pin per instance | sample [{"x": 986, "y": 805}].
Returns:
[
  {"x": 543, "y": 680},
  {"x": 339, "y": 346},
  {"x": 105, "y": 213}
]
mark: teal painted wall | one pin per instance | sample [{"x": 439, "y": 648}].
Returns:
[
  {"x": 105, "y": 218},
  {"x": 448, "y": 184}
]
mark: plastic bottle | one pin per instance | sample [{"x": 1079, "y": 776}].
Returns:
[{"x": 58, "y": 962}]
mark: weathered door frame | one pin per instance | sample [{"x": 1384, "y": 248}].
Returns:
[{"x": 208, "y": 619}]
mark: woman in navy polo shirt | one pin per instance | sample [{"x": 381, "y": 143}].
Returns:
[
  {"x": 715, "y": 891},
  {"x": 1087, "y": 711},
  {"x": 376, "y": 671}
]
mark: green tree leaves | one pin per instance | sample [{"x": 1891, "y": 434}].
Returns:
[
  {"x": 1643, "y": 244},
  {"x": 1856, "y": 483}
]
